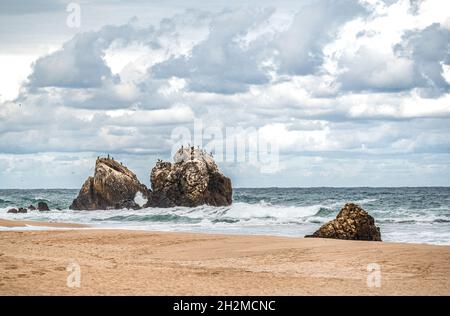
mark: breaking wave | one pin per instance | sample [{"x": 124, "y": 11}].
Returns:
[{"x": 404, "y": 214}]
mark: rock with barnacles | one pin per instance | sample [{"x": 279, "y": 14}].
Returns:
[
  {"x": 112, "y": 186},
  {"x": 353, "y": 223},
  {"x": 192, "y": 179}
]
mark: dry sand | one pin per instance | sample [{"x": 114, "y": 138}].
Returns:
[{"x": 151, "y": 263}]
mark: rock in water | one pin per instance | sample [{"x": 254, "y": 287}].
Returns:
[
  {"x": 42, "y": 206},
  {"x": 31, "y": 207},
  {"x": 128, "y": 204},
  {"x": 193, "y": 179},
  {"x": 112, "y": 185},
  {"x": 352, "y": 222},
  {"x": 12, "y": 210},
  {"x": 22, "y": 210}
]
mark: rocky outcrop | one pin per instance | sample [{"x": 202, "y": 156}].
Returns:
[
  {"x": 112, "y": 185},
  {"x": 193, "y": 179},
  {"x": 42, "y": 207},
  {"x": 352, "y": 222},
  {"x": 15, "y": 210}
]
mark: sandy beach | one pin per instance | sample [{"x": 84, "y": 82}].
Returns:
[{"x": 122, "y": 262}]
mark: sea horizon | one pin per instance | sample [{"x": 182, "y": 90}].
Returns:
[{"x": 271, "y": 187}]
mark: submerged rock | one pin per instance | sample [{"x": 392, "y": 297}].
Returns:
[
  {"x": 31, "y": 207},
  {"x": 352, "y": 222},
  {"x": 15, "y": 210},
  {"x": 128, "y": 204},
  {"x": 193, "y": 179},
  {"x": 112, "y": 185},
  {"x": 42, "y": 207}
]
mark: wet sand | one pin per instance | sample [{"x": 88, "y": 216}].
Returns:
[{"x": 20, "y": 223}]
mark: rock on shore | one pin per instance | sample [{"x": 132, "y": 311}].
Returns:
[
  {"x": 112, "y": 186},
  {"x": 193, "y": 179},
  {"x": 352, "y": 222}
]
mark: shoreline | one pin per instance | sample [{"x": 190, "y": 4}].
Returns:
[
  {"x": 10, "y": 223},
  {"x": 126, "y": 262}
]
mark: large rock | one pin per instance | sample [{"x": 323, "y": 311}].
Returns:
[
  {"x": 352, "y": 222},
  {"x": 193, "y": 179},
  {"x": 112, "y": 185}
]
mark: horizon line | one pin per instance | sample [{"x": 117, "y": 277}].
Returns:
[{"x": 276, "y": 187}]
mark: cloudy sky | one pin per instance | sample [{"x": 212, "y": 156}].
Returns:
[{"x": 353, "y": 93}]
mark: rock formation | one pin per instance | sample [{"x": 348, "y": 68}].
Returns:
[
  {"x": 15, "y": 210},
  {"x": 193, "y": 179},
  {"x": 352, "y": 222},
  {"x": 22, "y": 210},
  {"x": 112, "y": 186},
  {"x": 43, "y": 207}
]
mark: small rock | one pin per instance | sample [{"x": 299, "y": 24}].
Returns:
[
  {"x": 12, "y": 210},
  {"x": 22, "y": 210},
  {"x": 42, "y": 206},
  {"x": 128, "y": 204},
  {"x": 31, "y": 207}
]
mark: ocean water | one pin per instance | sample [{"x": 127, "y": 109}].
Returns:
[{"x": 419, "y": 215}]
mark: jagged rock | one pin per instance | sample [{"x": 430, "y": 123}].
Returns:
[
  {"x": 43, "y": 207},
  {"x": 352, "y": 222},
  {"x": 193, "y": 179},
  {"x": 22, "y": 210},
  {"x": 31, "y": 207},
  {"x": 111, "y": 185}
]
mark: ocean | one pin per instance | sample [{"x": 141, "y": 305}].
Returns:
[{"x": 416, "y": 215}]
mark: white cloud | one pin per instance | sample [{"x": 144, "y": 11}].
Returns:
[
  {"x": 220, "y": 63},
  {"x": 345, "y": 90},
  {"x": 300, "y": 47},
  {"x": 15, "y": 68}
]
